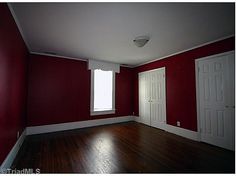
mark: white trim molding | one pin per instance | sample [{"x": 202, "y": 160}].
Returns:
[
  {"x": 53, "y": 128},
  {"x": 83, "y": 124},
  {"x": 12, "y": 154},
  {"x": 58, "y": 56},
  {"x": 137, "y": 119},
  {"x": 189, "y": 49},
  {"x": 69, "y": 57},
  {"x": 193, "y": 135},
  {"x": 76, "y": 125}
]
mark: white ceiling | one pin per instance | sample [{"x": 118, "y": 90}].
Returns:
[{"x": 105, "y": 31}]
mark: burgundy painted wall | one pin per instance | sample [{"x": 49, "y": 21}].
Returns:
[
  {"x": 13, "y": 70},
  {"x": 180, "y": 82},
  {"x": 59, "y": 91}
]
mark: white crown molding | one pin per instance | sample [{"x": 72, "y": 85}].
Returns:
[
  {"x": 129, "y": 66},
  {"x": 18, "y": 25},
  {"x": 134, "y": 66},
  {"x": 59, "y": 56},
  {"x": 195, "y": 47},
  {"x": 12, "y": 154},
  {"x": 72, "y": 58}
]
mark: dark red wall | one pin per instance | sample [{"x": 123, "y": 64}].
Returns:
[
  {"x": 180, "y": 82},
  {"x": 59, "y": 91},
  {"x": 13, "y": 70}
]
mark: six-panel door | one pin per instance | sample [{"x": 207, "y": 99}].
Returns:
[
  {"x": 216, "y": 100},
  {"x": 152, "y": 102}
]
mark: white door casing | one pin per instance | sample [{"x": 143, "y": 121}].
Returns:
[{"x": 215, "y": 99}]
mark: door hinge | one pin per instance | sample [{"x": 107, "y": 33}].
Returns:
[
  {"x": 198, "y": 68},
  {"x": 200, "y": 130}
]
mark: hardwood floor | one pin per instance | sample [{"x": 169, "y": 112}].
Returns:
[{"x": 121, "y": 148}]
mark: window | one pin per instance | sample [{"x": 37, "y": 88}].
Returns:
[{"x": 102, "y": 92}]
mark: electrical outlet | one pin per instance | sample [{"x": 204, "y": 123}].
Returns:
[
  {"x": 18, "y": 134},
  {"x": 178, "y": 123}
]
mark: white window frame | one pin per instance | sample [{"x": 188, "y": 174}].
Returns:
[{"x": 112, "y": 111}]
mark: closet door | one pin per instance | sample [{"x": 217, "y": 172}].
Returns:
[
  {"x": 144, "y": 98},
  {"x": 157, "y": 98},
  {"x": 152, "y": 103}
]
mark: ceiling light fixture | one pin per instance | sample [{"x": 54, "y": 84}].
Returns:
[{"x": 141, "y": 41}]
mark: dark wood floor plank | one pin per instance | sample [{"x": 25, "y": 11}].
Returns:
[{"x": 121, "y": 148}]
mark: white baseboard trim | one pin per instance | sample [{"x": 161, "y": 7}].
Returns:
[
  {"x": 75, "y": 125},
  {"x": 137, "y": 119},
  {"x": 12, "y": 154},
  {"x": 193, "y": 135},
  {"x": 53, "y": 128},
  {"x": 82, "y": 124},
  {"x": 182, "y": 132}
]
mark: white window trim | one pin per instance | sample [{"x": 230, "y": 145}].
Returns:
[{"x": 112, "y": 111}]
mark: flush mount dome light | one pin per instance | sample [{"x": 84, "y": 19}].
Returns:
[{"x": 141, "y": 41}]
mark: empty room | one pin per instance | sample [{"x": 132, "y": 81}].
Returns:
[{"x": 108, "y": 87}]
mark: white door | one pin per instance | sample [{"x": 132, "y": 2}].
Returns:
[
  {"x": 144, "y": 98},
  {"x": 157, "y": 98},
  {"x": 216, "y": 100},
  {"x": 152, "y": 103}
]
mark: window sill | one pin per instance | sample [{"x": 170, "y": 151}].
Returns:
[{"x": 93, "y": 113}]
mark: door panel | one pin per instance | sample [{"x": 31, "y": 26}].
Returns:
[
  {"x": 158, "y": 118},
  {"x": 215, "y": 93},
  {"x": 144, "y": 94}
]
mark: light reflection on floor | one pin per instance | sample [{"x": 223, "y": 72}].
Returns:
[{"x": 103, "y": 154}]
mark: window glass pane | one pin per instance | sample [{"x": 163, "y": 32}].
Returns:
[{"x": 102, "y": 90}]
